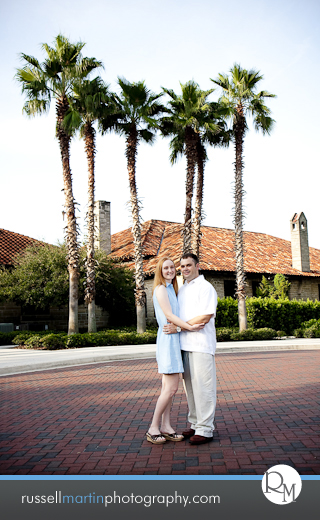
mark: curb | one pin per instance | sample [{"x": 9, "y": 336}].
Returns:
[{"x": 16, "y": 361}]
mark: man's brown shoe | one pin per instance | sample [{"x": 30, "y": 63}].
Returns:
[
  {"x": 199, "y": 439},
  {"x": 188, "y": 433}
]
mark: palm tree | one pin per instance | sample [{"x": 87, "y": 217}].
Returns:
[
  {"x": 240, "y": 97},
  {"x": 40, "y": 82},
  {"x": 90, "y": 98},
  {"x": 135, "y": 116},
  {"x": 215, "y": 134},
  {"x": 192, "y": 121}
]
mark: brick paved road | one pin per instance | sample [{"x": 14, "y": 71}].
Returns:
[{"x": 92, "y": 419}]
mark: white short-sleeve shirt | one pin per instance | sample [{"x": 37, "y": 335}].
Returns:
[{"x": 196, "y": 298}]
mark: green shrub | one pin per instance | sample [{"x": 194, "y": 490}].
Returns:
[
  {"x": 224, "y": 334},
  {"x": 22, "y": 337},
  {"x": 54, "y": 341},
  {"x": 110, "y": 338},
  {"x": 33, "y": 341},
  {"x": 308, "y": 329},
  {"x": 278, "y": 314},
  {"x": 81, "y": 340},
  {"x": 311, "y": 332},
  {"x": 7, "y": 338},
  {"x": 49, "y": 341},
  {"x": 254, "y": 335},
  {"x": 227, "y": 313},
  {"x": 310, "y": 323},
  {"x": 286, "y": 315}
]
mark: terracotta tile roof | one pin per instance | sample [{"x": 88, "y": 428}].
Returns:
[
  {"x": 11, "y": 244},
  {"x": 263, "y": 253}
]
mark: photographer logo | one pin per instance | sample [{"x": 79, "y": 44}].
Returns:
[{"x": 281, "y": 484}]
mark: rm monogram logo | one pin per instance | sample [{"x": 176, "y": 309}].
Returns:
[{"x": 281, "y": 484}]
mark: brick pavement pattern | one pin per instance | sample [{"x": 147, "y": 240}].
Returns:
[{"x": 92, "y": 419}]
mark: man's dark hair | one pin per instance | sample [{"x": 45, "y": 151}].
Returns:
[{"x": 190, "y": 255}]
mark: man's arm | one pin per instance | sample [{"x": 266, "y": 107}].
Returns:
[
  {"x": 170, "y": 328},
  {"x": 205, "y": 318}
]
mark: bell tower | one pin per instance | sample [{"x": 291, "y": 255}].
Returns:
[
  {"x": 102, "y": 225},
  {"x": 300, "y": 242}
]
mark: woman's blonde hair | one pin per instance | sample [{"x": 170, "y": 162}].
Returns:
[{"x": 158, "y": 276}]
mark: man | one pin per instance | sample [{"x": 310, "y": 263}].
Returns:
[{"x": 197, "y": 304}]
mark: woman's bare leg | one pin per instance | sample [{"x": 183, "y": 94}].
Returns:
[{"x": 161, "y": 414}]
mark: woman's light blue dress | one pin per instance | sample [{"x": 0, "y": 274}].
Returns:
[{"x": 168, "y": 345}]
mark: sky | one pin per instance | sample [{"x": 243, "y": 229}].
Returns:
[{"x": 165, "y": 43}]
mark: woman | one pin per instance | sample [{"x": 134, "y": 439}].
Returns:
[{"x": 165, "y": 290}]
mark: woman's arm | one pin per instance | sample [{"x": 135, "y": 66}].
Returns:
[
  {"x": 170, "y": 328},
  {"x": 163, "y": 299}
]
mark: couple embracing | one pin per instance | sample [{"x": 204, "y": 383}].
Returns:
[{"x": 186, "y": 344}]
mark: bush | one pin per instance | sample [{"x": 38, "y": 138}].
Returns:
[
  {"x": 227, "y": 313},
  {"x": 310, "y": 323},
  {"x": 254, "y": 335},
  {"x": 39, "y": 279},
  {"x": 286, "y": 315},
  {"x": 6, "y": 338},
  {"x": 312, "y": 332},
  {"x": 308, "y": 329},
  {"x": 54, "y": 341},
  {"x": 33, "y": 341},
  {"x": 110, "y": 338},
  {"x": 21, "y": 337},
  {"x": 282, "y": 314},
  {"x": 224, "y": 334},
  {"x": 49, "y": 341}
]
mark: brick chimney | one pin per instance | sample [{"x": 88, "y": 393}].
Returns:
[
  {"x": 102, "y": 225},
  {"x": 299, "y": 242}
]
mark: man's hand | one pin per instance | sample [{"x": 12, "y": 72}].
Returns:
[{"x": 169, "y": 328}]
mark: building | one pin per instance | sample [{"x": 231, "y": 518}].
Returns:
[
  {"x": 14, "y": 316},
  {"x": 265, "y": 255}
]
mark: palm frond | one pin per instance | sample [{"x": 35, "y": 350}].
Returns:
[
  {"x": 240, "y": 92},
  {"x": 35, "y": 107},
  {"x": 264, "y": 123},
  {"x": 147, "y": 136},
  {"x": 31, "y": 60},
  {"x": 72, "y": 121},
  {"x": 177, "y": 147},
  {"x": 170, "y": 93}
]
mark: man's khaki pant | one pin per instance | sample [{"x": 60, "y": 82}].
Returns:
[{"x": 199, "y": 380}]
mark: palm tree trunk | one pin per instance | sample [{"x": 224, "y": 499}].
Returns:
[
  {"x": 140, "y": 295},
  {"x": 239, "y": 129},
  {"x": 71, "y": 227},
  {"x": 196, "y": 238},
  {"x": 191, "y": 153},
  {"x": 90, "y": 291}
]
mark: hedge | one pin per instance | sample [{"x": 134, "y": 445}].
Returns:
[
  {"x": 227, "y": 313},
  {"x": 281, "y": 315},
  {"x": 54, "y": 341},
  {"x": 6, "y": 338},
  {"x": 225, "y": 334}
]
